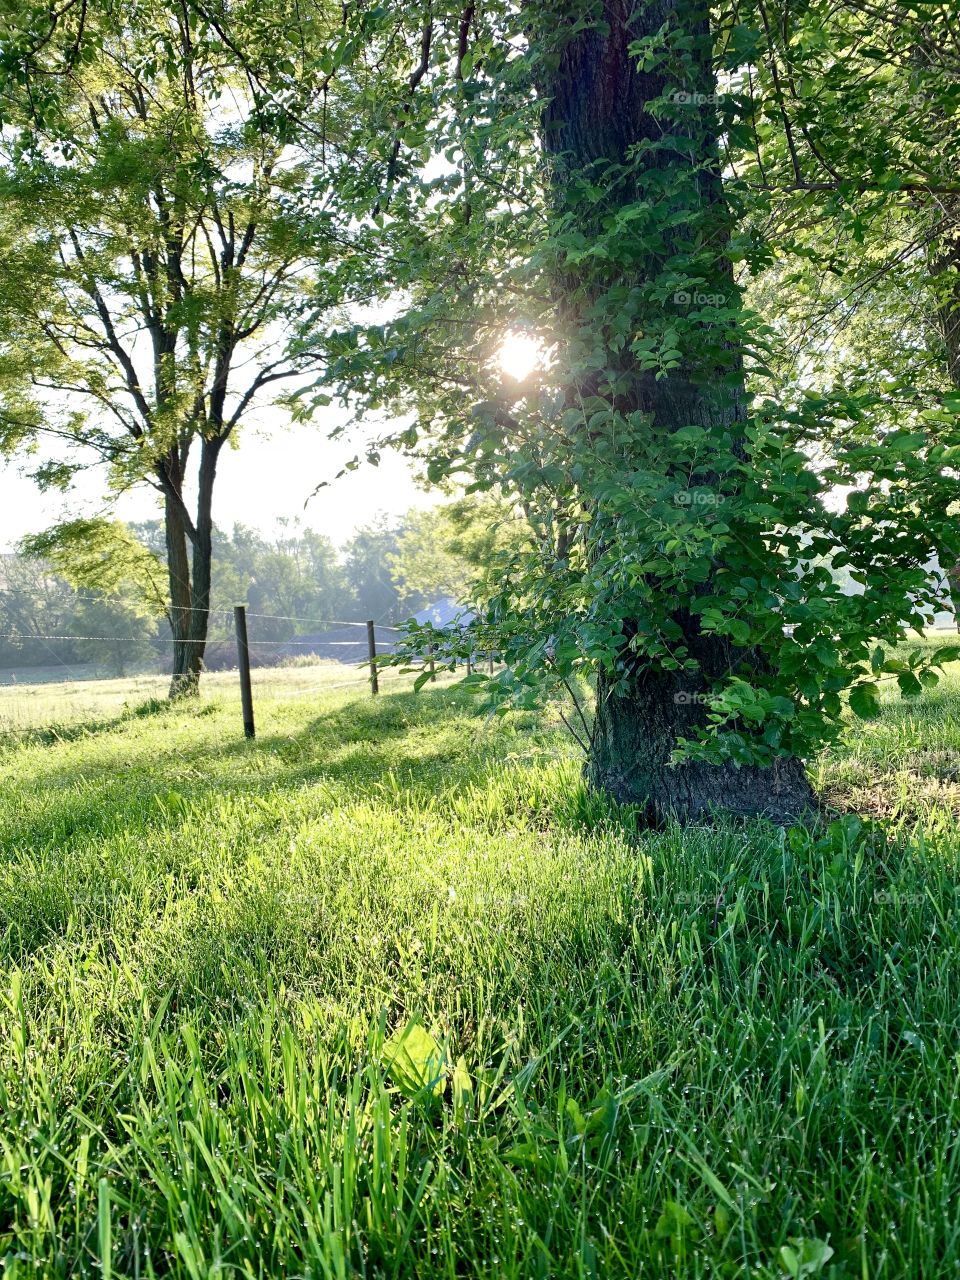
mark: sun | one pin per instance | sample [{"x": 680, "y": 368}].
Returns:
[{"x": 520, "y": 354}]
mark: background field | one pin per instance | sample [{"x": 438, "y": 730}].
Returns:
[
  {"x": 684, "y": 1050},
  {"x": 50, "y": 705}
]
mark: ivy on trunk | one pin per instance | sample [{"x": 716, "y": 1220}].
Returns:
[{"x": 601, "y": 129}]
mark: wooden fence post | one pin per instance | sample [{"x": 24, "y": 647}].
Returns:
[
  {"x": 372, "y": 646},
  {"x": 490, "y": 662},
  {"x": 243, "y": 662}
]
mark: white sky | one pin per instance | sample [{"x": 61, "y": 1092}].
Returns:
[{"x": 271, "y": 475}]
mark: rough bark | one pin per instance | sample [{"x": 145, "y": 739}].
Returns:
[
  {"x": 596, "y": 111},
  {"x": 634, "y": 735}
]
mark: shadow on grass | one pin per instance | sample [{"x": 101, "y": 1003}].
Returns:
[
  {"x": 431, "y": 743},
  {"x": 53, "y": 735},
  {"x": 425, "y": 749}
]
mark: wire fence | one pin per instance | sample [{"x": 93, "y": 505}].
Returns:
[
  {"x": 367, "y": 649},
  {"x": 69, "y": 635},
  {"x": 223, "y": 610}
]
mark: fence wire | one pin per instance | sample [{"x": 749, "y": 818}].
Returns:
[
  {"x": 224, "y": 611},
  {"x": 365, "y": 674},
  {"x": 16, "y": 635}
]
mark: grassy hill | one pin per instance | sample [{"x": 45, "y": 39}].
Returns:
[{"x": 385, "y": 993}]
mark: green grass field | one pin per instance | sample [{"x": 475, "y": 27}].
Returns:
[
  {"x": 51, "y": 706},
  {"x": 385, "y": 993}
]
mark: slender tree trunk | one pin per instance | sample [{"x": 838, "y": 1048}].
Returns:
[
  {"x": 596, "y": 113},
  {"x": 188, "y": 614},
  {"x": 186, "y": 667},
  {"x": 203, "y": 552}
]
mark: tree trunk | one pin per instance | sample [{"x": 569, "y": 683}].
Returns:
[
  {"x": 185, "y": 681},
  {"x": 596, "y": 114},
  {"x": 187, "y": 624},
  {"x": 633, "y": 737},
  {"x": 203, "y": 552}
]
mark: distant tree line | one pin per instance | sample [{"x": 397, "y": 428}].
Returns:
[{"x": 102, "y": 582}]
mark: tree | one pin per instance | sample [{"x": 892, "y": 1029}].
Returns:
[
  {"x": 453, "y": 550},
  {"x": 600, "y": 125},
  {"x": 36, "y": 610},
  {"x": 116, "y": 633},
  {"x": 852, "y": 157},
  {"x": 156, "y": 259},
  {"x": 299, "y": 575},
  {"x": 686, "y": 533},
  {"x": 293, "y": 581},
  {"x": 366, "y": 562},
  {"x": 121, "y": 581},
  {"x": 101, "y": 555}
]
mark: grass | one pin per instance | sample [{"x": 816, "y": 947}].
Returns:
[
  {"x": 51, "y": 707},
  {"x": 704, "y": 1053}
]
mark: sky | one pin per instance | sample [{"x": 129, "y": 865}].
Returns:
[{"x": 270, "y": 476}]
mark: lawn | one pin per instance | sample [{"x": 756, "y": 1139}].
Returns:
[
  {"x": 27, "y": 703},
  {"x": 385, "y": 993}
]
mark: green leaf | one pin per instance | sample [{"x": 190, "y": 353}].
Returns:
[
  {"x": 865, "y": 701},
  {"x": 415, "y": 1062},
  {"x": 674, "y": 1222},
  {"x": 805, "y": 1257},
  {"x": 722, "y": 1220},
  {"x": 910, "y": 686},
  {"x": 739, "y": 631}
]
